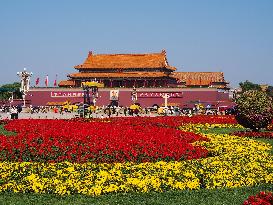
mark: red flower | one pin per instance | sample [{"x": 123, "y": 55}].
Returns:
[
  {"x": 134, "y": 139},
  {"x": 261, "y": 198}
]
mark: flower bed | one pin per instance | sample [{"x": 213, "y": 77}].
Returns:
[
  {"x": 177, "y": 121},
  {"x": 234, "y": 163},
  {"x": 231, "y": 161},
  {"x": 261, "y": 198},
  {"x": 59, "y": 140},
  {"x": 199, "y": 128}
]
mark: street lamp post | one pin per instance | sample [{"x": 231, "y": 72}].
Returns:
[
  {"x": 25, "y": 81},
  {"x": 166, "y": 96},
  {"x": 93, "y": 87},
  {"x": 134, "y": 95}
]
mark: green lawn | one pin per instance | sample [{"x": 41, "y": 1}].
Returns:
[
  {"x": 223, "y": 130},
  {"x": 198, "y": 197}
]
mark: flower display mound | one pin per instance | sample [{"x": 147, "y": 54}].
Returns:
[
  {"x": 270, "y": 127},
  {"x": 254, "y": 110},
  {"x": 100, "y": 142}
]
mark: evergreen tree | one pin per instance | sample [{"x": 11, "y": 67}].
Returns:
[
  {"x": 7, "y": 90},
  {"x": 247, "y": 85}
]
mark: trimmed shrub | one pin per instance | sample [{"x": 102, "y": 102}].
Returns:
[{"x": 254, "y": 110}]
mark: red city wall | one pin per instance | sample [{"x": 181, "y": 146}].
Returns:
[{"x": 183, "y": 97}]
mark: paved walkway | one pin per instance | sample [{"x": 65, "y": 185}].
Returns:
[{"x": 51, "y": 115}]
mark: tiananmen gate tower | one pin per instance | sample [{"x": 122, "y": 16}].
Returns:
[
  {"x": 139, "y": 70},
  {"x": 150, "y": 73}
]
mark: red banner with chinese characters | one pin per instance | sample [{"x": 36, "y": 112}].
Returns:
[
  {"x": 66, "y": 94},
  {"x": 159, "y": 94}
]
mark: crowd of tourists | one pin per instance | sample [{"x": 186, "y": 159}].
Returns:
[{"x": 108, "y": 111}]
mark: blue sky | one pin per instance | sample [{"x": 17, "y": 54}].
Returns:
[{"x": 52, "y": 36}]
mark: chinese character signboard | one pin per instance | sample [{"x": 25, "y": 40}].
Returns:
[
  {"x": 66, "y": 94},
  {"x": 159, "y": 94}
]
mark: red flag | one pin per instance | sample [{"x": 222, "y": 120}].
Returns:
[
  {"x": 46, "y": 81},
  {"x": 37, "y": 81},
  {"x": 55, "y": 81}
]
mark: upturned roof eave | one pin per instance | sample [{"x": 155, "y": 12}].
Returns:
[
  {"x": 118, "y": 75},
  {"x": 84, "y": 67}
]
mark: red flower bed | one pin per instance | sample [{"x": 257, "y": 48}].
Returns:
[
  {"x": 116, "y": 141},
  {"x": 168, "y": 121},
  {"x": 262, "y": 198},
  {"x": 177, "y": 121},
  {"x": 254, "y": 134}
]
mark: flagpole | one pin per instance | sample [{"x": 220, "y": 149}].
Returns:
[
  {"x": 37, "y": 82},
  {"x": 55, "y": 82},
  {"x": 46, "y": 81}
]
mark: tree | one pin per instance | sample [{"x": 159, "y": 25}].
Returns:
[
  {"x": 247, "y": 85},
  {"x": 269, "y": 91},
  {"x": 7, "y": 90},
  {"x": 254, "y": 110}
]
